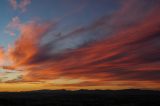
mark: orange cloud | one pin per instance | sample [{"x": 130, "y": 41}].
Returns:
[
  {"x": 1, "y": 54},
  {"x": 26, "y": 46}
]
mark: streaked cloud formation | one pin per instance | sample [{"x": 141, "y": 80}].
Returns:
[{"x": 116, "y": 51}]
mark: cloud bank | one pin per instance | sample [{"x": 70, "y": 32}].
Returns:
[{"x": 121, "y": 49}]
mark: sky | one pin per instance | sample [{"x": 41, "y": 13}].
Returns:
[{"x": 79, "y": 44}]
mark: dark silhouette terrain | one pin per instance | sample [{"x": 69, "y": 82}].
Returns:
[{"x": 131, "y": 97}]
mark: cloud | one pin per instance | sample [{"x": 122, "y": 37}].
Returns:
[
  {"x": 25, "y": 47},
  {"x": 22, "y": 5},
  {"x": 120, "y": 48},
  {"x": 14, "y": 26},
  {"x": 1, "y": 55},
  {"x": 13, "y": 3}
]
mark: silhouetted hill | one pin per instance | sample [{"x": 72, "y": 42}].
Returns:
[{"x": 130, "y": 97}]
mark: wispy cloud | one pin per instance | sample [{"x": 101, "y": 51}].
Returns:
[
  {"x": 22, "y": 5},
  {"x": 14, "y": 26}
]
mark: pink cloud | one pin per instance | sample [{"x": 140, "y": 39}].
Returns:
[
  {"x": 13, "y": 26},
  {"x": 13, "y": 4},
  {"x": 22, "y": 5}
]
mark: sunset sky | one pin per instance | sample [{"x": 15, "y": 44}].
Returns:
[{"x": 79, "y": 44}]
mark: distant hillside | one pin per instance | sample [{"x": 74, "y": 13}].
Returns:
[{"x": 130, "y": 97}]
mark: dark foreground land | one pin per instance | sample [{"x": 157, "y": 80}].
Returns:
[{"x": 81, "y": 98}]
